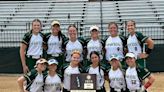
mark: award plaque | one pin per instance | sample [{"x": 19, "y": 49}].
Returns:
[{"x": 83, "y": 82}]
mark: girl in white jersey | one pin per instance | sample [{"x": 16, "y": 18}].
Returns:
[
  {"x": 52, "y": 80},
  {"x": 34, "y": 78},
  {"x": 115, "y": 43},
  {"x": 136, "y": 43},
  {"x": 74, "y": 43},
  {"x": 54, "y": 43},
  {"x": 31, "y": 46},
  {"x": 135, "y": 75},
  {"x": 94, "y": 44},
  {"x": 95, "y": 68},
  {"x": 71, "y": 68},
  {"x": 116, "y": 75}
]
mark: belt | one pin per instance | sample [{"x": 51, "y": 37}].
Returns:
[
  {"x": 66, "y": 89},
  {"x": 134, "y": 90},
  {"x": 99, "y": 88},
  {"x": 34, "y": 56},
  {"x": 116, "y": 89},
  {"x": 55, "y": 55}
]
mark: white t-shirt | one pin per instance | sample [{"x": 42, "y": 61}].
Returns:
[
  {"x": 54, "y": 45},
  {"x": 35, "y": 45},
  {"x": 37, "y": 85},
  {"x": 117, "y": 79},
  {"x": 94, "y": 45},
  {"x": 100, "y": 78},
  {"x": 52, "y": 84},
  {"x": 72, "y": 46},
  {"x": 133, "y": 45},
  {"x": 67, "y": 76},
  {"x": 132, "y": 80},
  {"x": 114, "y": 45}
]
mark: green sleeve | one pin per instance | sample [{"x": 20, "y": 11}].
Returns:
[
  {"x": 64, "y": 41},
  {"x": 26, "y": 38},
  {"x": 46, "y": 37},
  {"x": 102, "y": 42},
  {"x": 30, "y": 75},
  {"x": 82, "y": 41},
  {"x": 142, "y": 38},
  {"x": 124, "y": 40},
  {"x": 143, "y": 73}
]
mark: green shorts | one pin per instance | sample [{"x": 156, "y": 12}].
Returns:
[
  {"x": 30, "y": 62},
  {"x": 60, "y": 59}
]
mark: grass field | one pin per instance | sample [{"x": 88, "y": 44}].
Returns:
[{"x": 8, "y": 83}]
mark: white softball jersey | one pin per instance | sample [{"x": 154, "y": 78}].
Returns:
[
  {"x": 54, "y": 45},
  {"x": 67, "y": 76},
  {"x": 72, "y": 46},
  {"x": 114, "y": 45},
  {"x": 94, "y": 45},
  {"x": 52, "y": 84},
  {"x": 133, "y": 45},
  {"x": 117, "y": 79},
  {"x": 35, "y": 45},
  {"x": 100, "y": 78},
  {"x": 132, "y": 80},
  {"x": 37, "y": 85}
]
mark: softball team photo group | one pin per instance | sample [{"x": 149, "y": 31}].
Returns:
[{"x": 49, "y": 59}]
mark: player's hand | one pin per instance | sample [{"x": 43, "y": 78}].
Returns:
[
  {"x": 143, "y": 55},
  {"x": 25, "y": 69}
]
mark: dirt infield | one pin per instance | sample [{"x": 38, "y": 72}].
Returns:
[{"x": 8, "y": 83}]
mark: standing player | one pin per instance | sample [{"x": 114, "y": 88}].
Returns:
[
  {"x": 95, "y": 68},
  {"x": 73, "y": 44},
  {"x": 71, "y": 68},
  {"x": 94, "y": 44},
  {"x": 31, "y": 46},
  {"x": 135, "y": 75},
  {"x": 34, "y": 78},
  {"x": 54, "y": 41},
  {"x": 115, "y": 43},
  {"x": 116, "y": 75},
  {"x": 136, "y": 42},
  {"x": 52, "y": 80}
]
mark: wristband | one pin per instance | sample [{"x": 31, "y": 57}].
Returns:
[
  {"x": 148, "y": 51},
  {"x": 148, "y": 84}
]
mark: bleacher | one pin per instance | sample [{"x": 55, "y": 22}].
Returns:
[{"x": 16, "y": 16}]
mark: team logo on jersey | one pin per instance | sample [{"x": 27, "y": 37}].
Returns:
[
  {"x": 133, "y": 81},
  {"x": 135, "y": 48},
  {"x": 121, "y": 84},
  {"x": 118, "y": 49}
]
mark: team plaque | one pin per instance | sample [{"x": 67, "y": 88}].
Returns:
[{"x": 83, "y": 82}]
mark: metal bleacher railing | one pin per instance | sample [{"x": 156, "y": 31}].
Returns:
[{"x": 16, "y": 16}]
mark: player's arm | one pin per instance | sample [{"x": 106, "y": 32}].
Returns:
[
  {"x": 20, "y": 82},
  {"x": 150, "y": 45},
  {"x": 150, "y": 81},
  {"x": 22, "y": 56}
]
